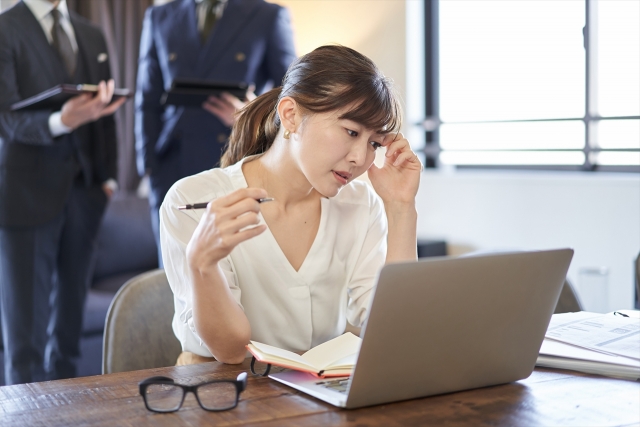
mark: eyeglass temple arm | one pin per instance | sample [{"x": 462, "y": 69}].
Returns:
[{"x": 242, "y": 380}]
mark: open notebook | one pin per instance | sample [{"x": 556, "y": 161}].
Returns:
[{"x": 334, "y": 358}]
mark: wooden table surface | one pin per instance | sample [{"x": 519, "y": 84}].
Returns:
[{"x": 547, "y": 398}]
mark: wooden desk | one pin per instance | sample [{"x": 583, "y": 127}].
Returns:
[{"x": 548, "y": 397}]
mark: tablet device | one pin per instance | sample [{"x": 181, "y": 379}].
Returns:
[
  {"x": 54, "y": 98},
  {"x": 193, "y": 92}
]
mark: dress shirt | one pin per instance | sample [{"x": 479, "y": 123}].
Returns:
[
  {"x": 294, "y": 310},
  {"x": 41, "y": 9}
]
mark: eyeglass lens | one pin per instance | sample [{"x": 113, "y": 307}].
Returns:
[
  {"x": 218, "y": 396},
  {"x": 164, "y": 397}
]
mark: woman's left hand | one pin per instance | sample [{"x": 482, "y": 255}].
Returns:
[{"x": 398, "y": 179}]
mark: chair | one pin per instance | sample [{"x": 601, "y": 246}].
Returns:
[
  {"x": 138, "y": 333},
  {"x": 568, "y": 301},
  {"x": 638, "y": 281}
]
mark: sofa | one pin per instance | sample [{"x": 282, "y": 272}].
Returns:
[{"x": 125, "y": 247}]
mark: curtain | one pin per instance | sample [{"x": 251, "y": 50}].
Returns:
[{"x": 121, "y": 24}]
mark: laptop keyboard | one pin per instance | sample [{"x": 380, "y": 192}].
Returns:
[{"x": 340, "y": 385}]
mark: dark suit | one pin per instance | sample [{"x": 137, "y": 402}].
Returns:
[
  {"x": 251, "y": 43},
  {"x": 51, "y": 199}
]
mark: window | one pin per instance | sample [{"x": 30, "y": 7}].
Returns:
[{"x": 534, "y": 84}]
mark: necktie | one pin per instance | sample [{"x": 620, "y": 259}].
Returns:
[
  {"x": 62, "y": 44},
  {"x": 210, "y": 17}
]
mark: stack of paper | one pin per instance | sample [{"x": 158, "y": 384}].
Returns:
[{"x": 591, "y": 342}]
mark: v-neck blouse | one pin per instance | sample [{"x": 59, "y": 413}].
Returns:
[{"x": 294, "y": 310}]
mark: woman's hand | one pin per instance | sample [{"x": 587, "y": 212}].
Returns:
[
  {"x": 227, "y": 222},
  {"x": 397, "y": 181}
]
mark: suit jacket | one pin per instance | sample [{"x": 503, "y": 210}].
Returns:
[
  {"x": 251, "y": 43},
  {"x": 36, "y": 169}
]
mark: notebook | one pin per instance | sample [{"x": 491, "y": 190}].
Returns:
[{"x": 448, "y": 324}]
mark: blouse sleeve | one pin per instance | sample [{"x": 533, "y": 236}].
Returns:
[
  {"x": 176, "y": 229},
  {"x": 370, "y": 260}
]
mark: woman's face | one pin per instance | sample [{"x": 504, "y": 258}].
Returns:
[{"x": 332, "y": 152}]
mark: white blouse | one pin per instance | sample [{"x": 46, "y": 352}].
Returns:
[{"x": 294, "y": 310}]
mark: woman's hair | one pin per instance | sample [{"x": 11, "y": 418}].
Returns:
[{"x": 326, "y": 79}]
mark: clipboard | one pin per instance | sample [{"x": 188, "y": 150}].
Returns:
[
  {"x": 54, "y": 98},
  {"x": 193, "y": 92}
]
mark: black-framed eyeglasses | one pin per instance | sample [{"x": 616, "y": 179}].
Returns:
[{"x": 162, "y": 394}]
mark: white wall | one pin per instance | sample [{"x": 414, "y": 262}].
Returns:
[
  {"x": 374, "y": 28},
  {"x": 596, "y": 214}
]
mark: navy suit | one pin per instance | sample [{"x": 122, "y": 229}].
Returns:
[
  {"x": 252, "y": 42},
  {"x": 51, "y": 199}
]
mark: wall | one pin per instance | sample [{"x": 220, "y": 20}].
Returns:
[
  {"x": 374, "y": 28},
  {"x": 596, "y": 214}
]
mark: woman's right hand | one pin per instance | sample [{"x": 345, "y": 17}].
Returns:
[{"x": 223, "y": 226}]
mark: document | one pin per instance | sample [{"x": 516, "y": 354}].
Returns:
[
  {"x": 598, "y": 332},
  {"x": 591, "y": 342}
]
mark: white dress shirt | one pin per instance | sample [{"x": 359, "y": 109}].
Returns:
[
  {"x": 294, "y": 310},
  {"x": 41, "y": 9}
]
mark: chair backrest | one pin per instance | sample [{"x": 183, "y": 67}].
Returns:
[
  {"x": 638, "y": 281},
  {"x": 568, "y": 301},
  {"x": 138, "y": 333}
]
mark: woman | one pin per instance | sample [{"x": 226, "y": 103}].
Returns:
[{"x": 291, "y": 272}]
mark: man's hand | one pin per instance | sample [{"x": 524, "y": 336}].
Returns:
[
  {"x": 86, "y": 108},
  {"x": 226, "y": 106},
  {"x": 108, "y": 190}
]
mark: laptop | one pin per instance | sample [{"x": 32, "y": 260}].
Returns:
[{"x": 443, "y": 325}]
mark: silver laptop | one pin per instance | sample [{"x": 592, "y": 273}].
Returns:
[{"x": 442, "y": 325}]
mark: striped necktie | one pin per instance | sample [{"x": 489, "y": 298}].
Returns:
[{"x": 62, "y": 44}]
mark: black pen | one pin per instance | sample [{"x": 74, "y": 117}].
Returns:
[
  {"x": 204, "y": 205},
  {"x": 617, "y": 313}
]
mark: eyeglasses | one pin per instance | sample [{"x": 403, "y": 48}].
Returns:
[{"x": 162, "y": 394}]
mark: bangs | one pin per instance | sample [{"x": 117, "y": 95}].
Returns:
[{"x": 376, "y": 110}]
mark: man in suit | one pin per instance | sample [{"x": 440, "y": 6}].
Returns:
[
  {"x": 57, "y": 170},
  {"x": 226, "y": 40}
]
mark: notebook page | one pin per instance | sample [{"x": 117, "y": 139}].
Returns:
[
  {"x": 333, "y": 350},
  {"x": 283, "y": 355}
]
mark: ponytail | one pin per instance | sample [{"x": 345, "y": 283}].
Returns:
[{"x": 254, "y": 130}]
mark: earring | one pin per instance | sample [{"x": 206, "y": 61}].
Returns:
[{"x": 287, "y": 134}]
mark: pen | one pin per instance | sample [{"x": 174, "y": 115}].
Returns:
[
  {"x": 617, "y": 313},
  {"x": 204, "y": 205}
]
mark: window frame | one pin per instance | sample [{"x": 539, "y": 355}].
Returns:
[{"x": 432, "y": 121}]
